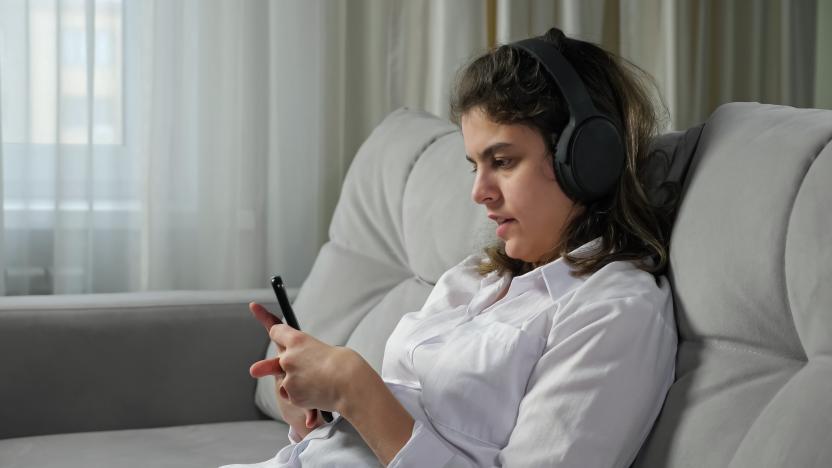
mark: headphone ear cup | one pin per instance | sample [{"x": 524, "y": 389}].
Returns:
[
  {"x": 563, "y": 174},
  {"x": 595, "y": 161}
]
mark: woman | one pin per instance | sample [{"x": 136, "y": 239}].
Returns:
[{"x": 553, "y": 348}]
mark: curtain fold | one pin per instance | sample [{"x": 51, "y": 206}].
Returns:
[{"x": 743, "y": 51}]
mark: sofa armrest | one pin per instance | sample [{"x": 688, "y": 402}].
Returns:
[{"x": 73, "y": 363}]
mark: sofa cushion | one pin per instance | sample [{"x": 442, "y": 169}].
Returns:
[
  {"x": 750, "y": 267},
  {"x": 442, "y": 225},
  {"x": 196, "y": 446}
]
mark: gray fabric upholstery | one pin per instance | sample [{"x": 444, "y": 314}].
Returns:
[
  {"x": 202, "y": 445},
  {"x": 120, "y": 361},
  {"x": 751, "y": 272},
  {"x": 750, "y": 264}
]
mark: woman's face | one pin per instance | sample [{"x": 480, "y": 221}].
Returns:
[{"x": 515, "y": 181}]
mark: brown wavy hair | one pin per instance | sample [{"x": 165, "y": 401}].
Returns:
[{"x": 511, "y": 87}]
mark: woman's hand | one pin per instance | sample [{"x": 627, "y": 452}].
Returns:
[
  {"x": 303, "y": 421},
  {"x": 309, "y": 373}
]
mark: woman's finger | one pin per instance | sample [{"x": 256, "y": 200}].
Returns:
[
  {"x": 265, "y": 317},
  {"x": 266, "y": 367},
  {"x": 285, "y": 336}
]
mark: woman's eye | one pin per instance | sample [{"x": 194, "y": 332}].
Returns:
[
  {"x": 474, "y": 168},
  {"x": 501, "y": 162}
]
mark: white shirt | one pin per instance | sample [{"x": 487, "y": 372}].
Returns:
[{"x": 562, "y": 371}]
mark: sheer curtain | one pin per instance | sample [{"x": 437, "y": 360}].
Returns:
[
  {"x": 199, "y": 124},
  {"x": 201, "y": 144},
  {"x": 198, "y": 144}
]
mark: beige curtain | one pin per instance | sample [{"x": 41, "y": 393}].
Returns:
[{"x": 701, "y": 52}]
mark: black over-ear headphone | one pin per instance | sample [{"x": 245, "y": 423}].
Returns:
[{"x": 590, "y": 153}]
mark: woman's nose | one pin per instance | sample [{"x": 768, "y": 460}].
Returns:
[{"x": 484, "y": 190}]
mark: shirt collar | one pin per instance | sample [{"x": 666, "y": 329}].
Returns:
[{"x": 556, "y": 274}]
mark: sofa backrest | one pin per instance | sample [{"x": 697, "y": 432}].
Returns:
[{"x": 751, "y": 268}]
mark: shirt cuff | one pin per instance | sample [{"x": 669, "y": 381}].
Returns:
[
  {"x": 295, "y": 438},
  {"x": 424, "y": 448}
]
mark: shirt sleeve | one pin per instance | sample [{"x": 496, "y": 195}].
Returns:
[
  {"x": 426, "y": 448},
  {"x": 598, "y": 387}
]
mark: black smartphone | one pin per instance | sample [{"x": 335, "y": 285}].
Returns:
[
  {"x": 289, "y": 317},
  {"x": 283, "y": 301}
]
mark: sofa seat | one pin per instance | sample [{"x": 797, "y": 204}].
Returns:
[
  {"x": 145, "y": 379},
  {"x": 206, "y": 445}
]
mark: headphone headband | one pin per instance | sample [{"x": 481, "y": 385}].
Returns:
[{"x": 570, "y": 84}]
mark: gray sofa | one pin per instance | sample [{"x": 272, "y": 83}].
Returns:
[{"x": 161, "y": 379}]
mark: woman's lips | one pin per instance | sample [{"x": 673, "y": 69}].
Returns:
[{"x": 503, "y": 227}]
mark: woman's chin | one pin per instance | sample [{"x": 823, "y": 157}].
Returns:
[{"x": 516, "y": 254}]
